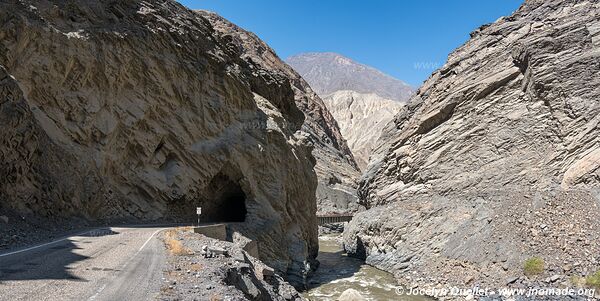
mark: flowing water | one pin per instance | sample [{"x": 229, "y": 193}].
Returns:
[{"x": 339, "y": 272}]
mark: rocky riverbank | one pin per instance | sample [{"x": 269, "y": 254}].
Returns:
[
  {"x": 340, "y": 277},
  {"x": 522, "y": 229}
]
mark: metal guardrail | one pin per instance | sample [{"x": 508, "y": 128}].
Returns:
[{"x": 333, "y": 218}]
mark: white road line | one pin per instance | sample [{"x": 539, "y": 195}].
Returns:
[
  {"x": 122, "y": 268},
  {"x": 78, "y": 234},
  {"x": 149, "y": 238},
  {"x": 126, "y": 263},
  {"x": 48, "y": 243}
]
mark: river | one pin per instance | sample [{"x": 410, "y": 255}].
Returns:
[{"x": 338, "y": 272}]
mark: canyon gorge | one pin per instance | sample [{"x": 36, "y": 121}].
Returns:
[{"x": 216, "y": 158}]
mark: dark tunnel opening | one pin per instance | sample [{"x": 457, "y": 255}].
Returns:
[
  {"x": 225, "y": 201},
  {"x": 232, "y": 206}
]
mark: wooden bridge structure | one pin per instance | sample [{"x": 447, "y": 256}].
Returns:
[{"x": 333, "y": 218}]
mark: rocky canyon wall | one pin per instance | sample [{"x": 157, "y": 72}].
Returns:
[
  {"x": 141, "y": 111},
  {"x": 362, "y": 117},
  {"x": 495, "y": 160},
  {"x": 336, "y": 168}
]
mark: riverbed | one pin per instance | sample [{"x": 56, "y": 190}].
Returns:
[{"x": 338, "y": 272}]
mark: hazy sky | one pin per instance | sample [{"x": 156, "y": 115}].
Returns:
[{"x": 406, "y": 39}]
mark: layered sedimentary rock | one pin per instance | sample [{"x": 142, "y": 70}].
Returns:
[
  {"x": 336, "y": 169},
  {"x": 361, "y": 117},
  {"x": 495, "y": 160},
  {"x": 141, "y": 110}
]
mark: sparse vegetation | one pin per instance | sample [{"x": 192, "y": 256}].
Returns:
[
  {"x": 174, "y": 245},
  {"x": 578, "y": 281},
  {"x": 593, "y": 280},
  {"x": 533, "y": 266}
]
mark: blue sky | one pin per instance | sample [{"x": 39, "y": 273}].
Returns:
[{"x": 406, "y": 39}]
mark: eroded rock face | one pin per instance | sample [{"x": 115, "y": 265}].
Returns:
[
  {"x": 336, "y": 169},
  {"x": 141, "y": 110},
  {"x": 361, "y": 117},
  {"x": 495, "y": 160}
]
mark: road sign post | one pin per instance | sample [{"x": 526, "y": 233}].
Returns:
[{"x": 198, "y": 211}]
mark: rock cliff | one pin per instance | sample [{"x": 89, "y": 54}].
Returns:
[
  {"x": 336, "y": 169},
  {"x": 495, "y": 160},
  {"x": 142, "y": 111},
  {"x": 361, "y": 117}
]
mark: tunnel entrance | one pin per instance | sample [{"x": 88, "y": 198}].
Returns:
[
  {"x": 232, "y": 205},
  {"x": 225, "y": 201}
]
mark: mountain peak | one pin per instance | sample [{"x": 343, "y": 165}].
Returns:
[{"x": 328, "y": 72}]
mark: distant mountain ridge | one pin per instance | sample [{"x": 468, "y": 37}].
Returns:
[
  {"x": 328, "y": 72},
  {"x": 361, "y": 98}
]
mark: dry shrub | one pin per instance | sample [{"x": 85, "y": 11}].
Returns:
[
  {"x": 593, "y": 280},
  {"x": 174, "y": 245},
  {"x": 195, "y": 267},
  {"x": 533, "y": 266},
  {"x": 185, "y": 228},
  {"x": 578, "y": 281}
]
